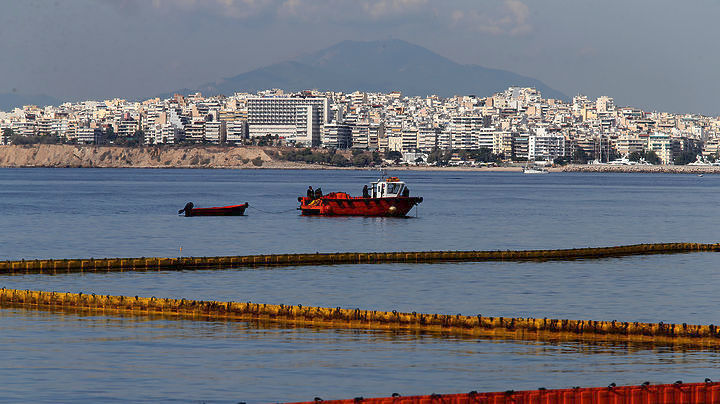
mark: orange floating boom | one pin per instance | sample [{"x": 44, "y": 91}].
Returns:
[
  {"x": 346, "y": 258},
  {"x": 678, "y": 392},
  {"x": 535, "y": 329}
]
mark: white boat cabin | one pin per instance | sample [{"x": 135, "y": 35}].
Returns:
[{"x": 389, "y": 188}]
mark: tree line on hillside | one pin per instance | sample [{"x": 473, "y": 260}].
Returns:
[
  {"x": 358, "y": 158},
  {"x": 108, "y": 137},
  {"x": 442, "y": 157}
]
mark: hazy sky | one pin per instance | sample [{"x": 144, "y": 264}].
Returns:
[{"x": 655, "y": 54}]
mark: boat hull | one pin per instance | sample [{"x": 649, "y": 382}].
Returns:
[
  {"x": 232, "y": 210},
  {"x": 357, "y": 206}
]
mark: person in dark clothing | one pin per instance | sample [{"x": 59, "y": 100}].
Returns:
[
  {"x": 366, "y": 193},
  {"x": 406, "y": 192},
  {"x": 310, "y": 192},
  {"x": 318, "y": 193}
]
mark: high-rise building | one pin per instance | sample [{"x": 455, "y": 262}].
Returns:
[
  {"x": 466, "y": 132},
  {"x": 297, "y": 120}
]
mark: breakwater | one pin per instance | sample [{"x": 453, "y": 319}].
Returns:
[
  {"x": 188, "y": 263},
  {"x": 664, "y": 169},
  {"x": 477, "y": 325}
]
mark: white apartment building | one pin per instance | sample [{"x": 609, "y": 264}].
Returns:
[
  {"x": 297, "y": 120},
  {"x": 360, "y": 133},
  {"x": 427, "y": 139},
  {"x": 127, "y": 127},
  {"x": 663, "y": 145},
  {"x": 394, "y": 143},
  {"x": 485, "y": 138},
  {"x": 604, "y": 104},
  {"x": 630, "y": 143},
  {"x": 444, "y": 139},
  {"x": 409, "y": 139},
  {"x": 214, "y": 132},
  {"x": 85, "y": 135},
  {"x": 503, "y": 144},
  {"x": 367, "y": 135},
  {"x": 166, "y": 133},
  {"x": 464, "y": 132},
  {"x": 61, "y": 127},
  {"x": 195, "y": 131},
  {"x": 711, "y": 148},
  {"x": 236, "y": 131},
  {"x": 24, "y": 128},
  {"x": 545, "y": 146},
  {"x": 4, "y": 138},
  {"x": 43, "y": 126},
  {"x": 337, "y": 136}
]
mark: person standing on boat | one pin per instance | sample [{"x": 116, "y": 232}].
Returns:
[
  {"x": 366, "y": 193},
  {"x": 310, "y": 192},
  {"x": 318, "y": 193}
]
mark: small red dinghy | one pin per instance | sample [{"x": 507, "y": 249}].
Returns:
[{"x": 232, "y": 210}]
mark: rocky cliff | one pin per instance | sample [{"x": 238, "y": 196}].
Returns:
[{"x": 141, "y": 157}]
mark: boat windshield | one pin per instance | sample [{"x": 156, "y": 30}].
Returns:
[{"x": 393, "y": 188}]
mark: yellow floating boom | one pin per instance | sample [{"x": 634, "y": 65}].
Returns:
[
  {"x": 185, "y": 263},
  {"x": 500, "y": 327}
]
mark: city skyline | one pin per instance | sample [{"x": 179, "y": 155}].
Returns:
[
  {"x": 654, "y": 55},
  {"x": 515, "y": 124}
]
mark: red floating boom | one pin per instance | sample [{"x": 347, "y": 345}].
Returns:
[{"x": 678, "y": 392}]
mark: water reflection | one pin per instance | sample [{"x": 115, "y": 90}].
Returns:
[
  {"x": 91, "y": 319},
  {"x": 81, "y": 356}
]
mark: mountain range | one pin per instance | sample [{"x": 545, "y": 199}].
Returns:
[
  {"x": 383, "y": 66},
  {"x": 8, "y": 101}
]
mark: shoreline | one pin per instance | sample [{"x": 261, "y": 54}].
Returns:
[
  {"x": 564, "y": 169},
  {"x": 218, "y": 157}
]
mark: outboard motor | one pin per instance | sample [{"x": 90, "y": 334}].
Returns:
[{"x": 187, "y": 209}]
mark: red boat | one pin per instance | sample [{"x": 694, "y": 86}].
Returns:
[
  {"x": 384, "y": 198},
  {"x": 232, "y": 210}
]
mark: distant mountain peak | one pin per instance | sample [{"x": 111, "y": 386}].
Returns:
[
  {"x": 382, "y": 66},
  {"x": 10, "y": 101}
]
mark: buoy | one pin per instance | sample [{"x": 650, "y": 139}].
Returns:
[{"x": 392, "y": 209}]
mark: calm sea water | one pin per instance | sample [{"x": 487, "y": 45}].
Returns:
[{"x": 55, "y": 356}]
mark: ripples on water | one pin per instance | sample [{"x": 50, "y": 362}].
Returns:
[
  {"x": 76, "y": 357},
  {"x": 97, "y": 213}
]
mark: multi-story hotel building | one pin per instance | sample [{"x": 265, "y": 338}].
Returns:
[{"x": 298, "y": 120}]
